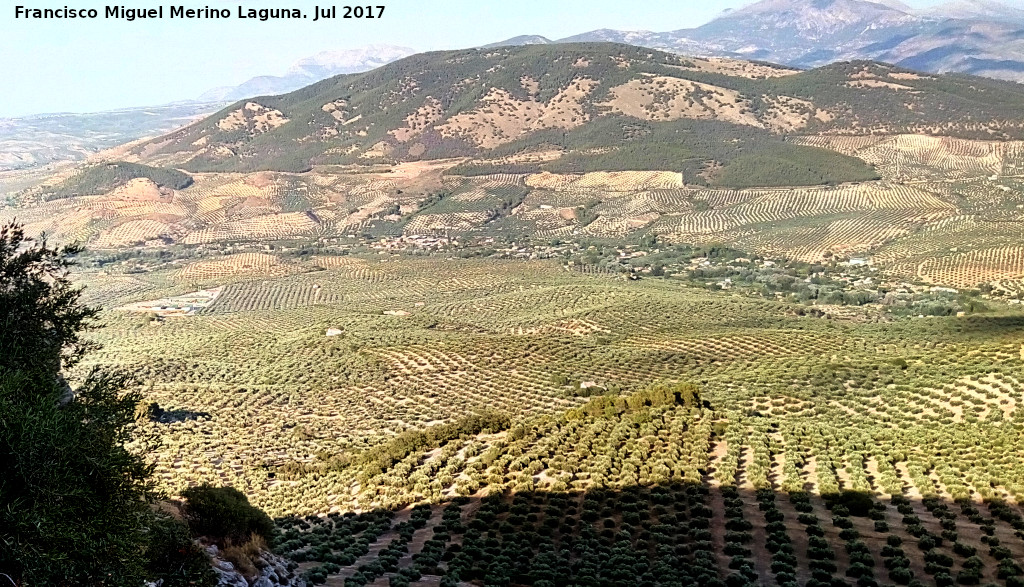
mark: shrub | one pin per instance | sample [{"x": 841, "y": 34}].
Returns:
[
  {"x": 849, "y": 533},
  {"x": 738, "y": 525},
  {"x": 244, "y": 556},
  {"x": 1000, "y": 553},
  {"x": 842, "y": 521},
  {"x": 781, "y": 567},
  {"x": 938, "y": 558},
  {"x": 891, "y": 551},
  {"x": 858, "y": 569},
  {"x": 897, "y": 562},
  {"x": 73, "y": 497},
  {"x": 734, "y": 549},
  {"x": 224, "y": 514},
  {"x": 863, "y": 558},
  {"x": 1007, "y": 568},
  {"x": 174, "y": 558},
  {"x": 820, "y": 554}
]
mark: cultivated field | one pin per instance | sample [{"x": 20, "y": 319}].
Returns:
[
  {"x": 818, "y": 448},
  {"x": 947, "y": 212}
]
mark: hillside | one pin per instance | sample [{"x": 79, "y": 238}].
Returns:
[
  {"x": 106, "y": 177},
  {"x": 570, "y": 314},
  {"x": 576, "y": 143},
  {"x": 938, "y": 211},
  {"x": 583, "y": 101}
]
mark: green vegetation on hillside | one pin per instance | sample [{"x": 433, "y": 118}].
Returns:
[
  {"x": 952, "y": 104},
  {"x": 469, "y": 374},
  {"x": 224, "y": 515},
  {"x": 748, "y": 156},
  {"x": 102, "y": 178},
  {"x": 381, "y": 458},
  {"x": 344, "y": 119},
  {"x": 792, "y": 165}
]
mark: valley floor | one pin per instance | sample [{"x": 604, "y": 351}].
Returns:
[{"x": 282, "y": 386}]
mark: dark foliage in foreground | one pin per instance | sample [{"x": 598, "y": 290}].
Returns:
[{"x": 73, "y": 500}]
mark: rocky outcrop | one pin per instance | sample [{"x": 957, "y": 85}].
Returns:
[{"x": 273, "y": 571}]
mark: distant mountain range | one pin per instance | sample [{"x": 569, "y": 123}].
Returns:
[
  {"x": 310, "y": 70},
  {"x": 32, "y": 141},
  {"x": 979, "y": 37}
]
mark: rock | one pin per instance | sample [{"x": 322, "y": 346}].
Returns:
[
  {"x": 273, "y": 572},
  {"x": 229, "y": 579}
]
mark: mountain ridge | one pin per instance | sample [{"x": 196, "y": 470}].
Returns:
[
  {"x": 575, "y": 98},
  {"x": 975, "y": 9},
  {"x": 977, "y": 37}
]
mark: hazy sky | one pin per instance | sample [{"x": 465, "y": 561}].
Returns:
[{"x": 90, "y": 65}]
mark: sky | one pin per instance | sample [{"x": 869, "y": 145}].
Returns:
[{"x": 93, "y": 65}]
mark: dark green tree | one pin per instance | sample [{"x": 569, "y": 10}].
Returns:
[
  {"x": 73, "y": 500},
  {"x": 224, "y": 515},
  {"x": 41, "y": 315}
]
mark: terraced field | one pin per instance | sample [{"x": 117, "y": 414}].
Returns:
[
  {"x": 919, "y": 157},
  {"x": 229, "y": 208}
]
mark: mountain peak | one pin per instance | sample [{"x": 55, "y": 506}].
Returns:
[
  {"x": 895, "y": 5},
  {"x": 980, "y": 37},
  {"x": 787, "y": 25}
]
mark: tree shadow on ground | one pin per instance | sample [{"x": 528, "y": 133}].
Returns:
[{"x": 673, "y": 534}]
